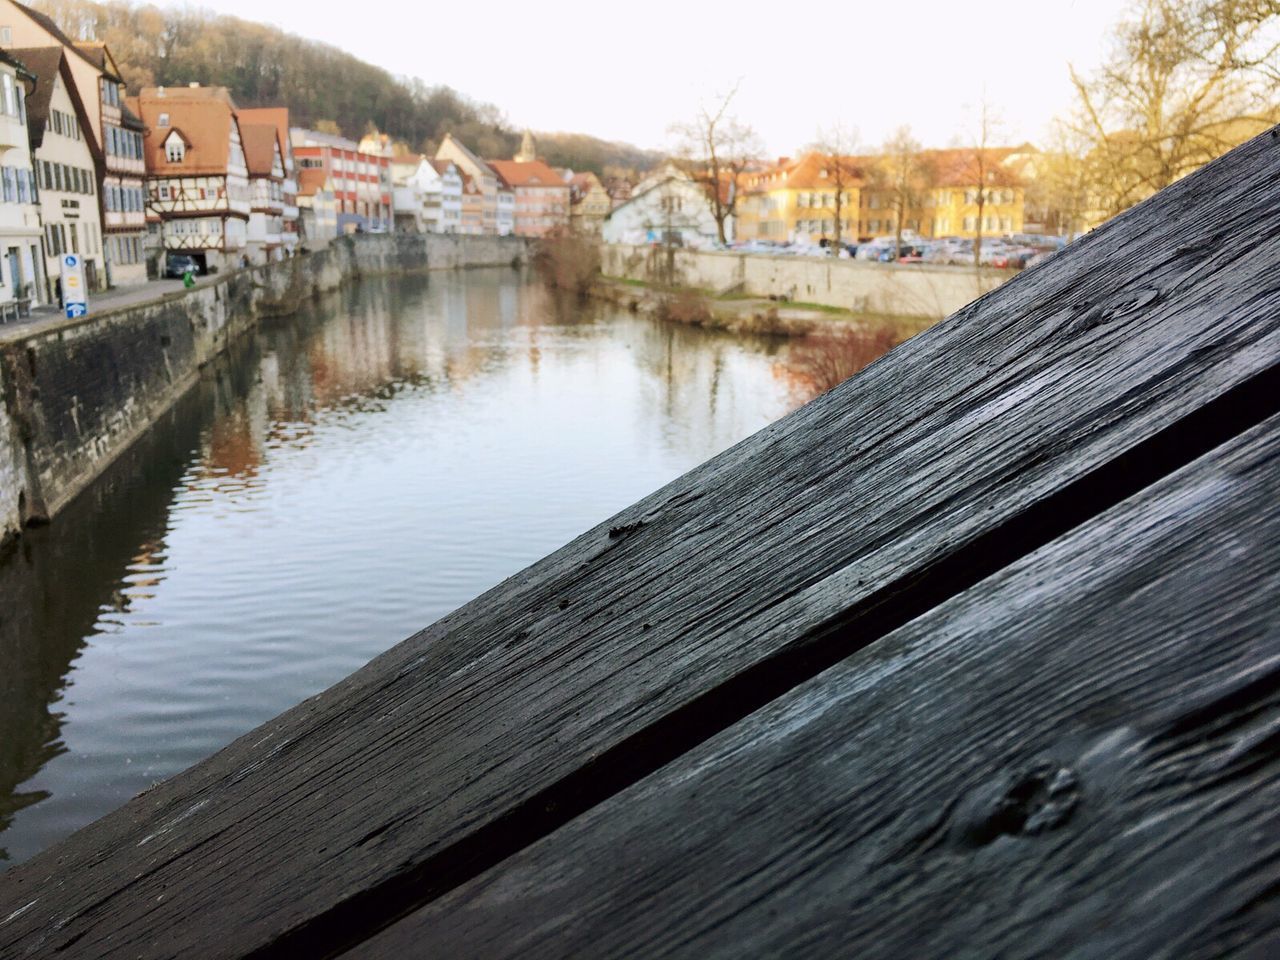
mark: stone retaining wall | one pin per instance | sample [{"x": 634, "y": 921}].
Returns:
[
  {"x": 76, "y": 393},
  {"x": 912, "y": 290}
]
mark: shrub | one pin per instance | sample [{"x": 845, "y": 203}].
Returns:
[
  {"x": 684, "y": 306},
  {"x": 568, "y": 261}
]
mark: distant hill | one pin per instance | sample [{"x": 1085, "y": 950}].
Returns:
[{"x": 321, "y": 84}]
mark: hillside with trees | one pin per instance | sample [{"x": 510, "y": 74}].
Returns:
[{"x": 323, "y": 86}]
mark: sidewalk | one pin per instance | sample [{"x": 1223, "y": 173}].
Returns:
[{"x": 126, "y": 296}]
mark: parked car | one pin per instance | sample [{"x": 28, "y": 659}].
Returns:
[{"x": 178, "y": 264}]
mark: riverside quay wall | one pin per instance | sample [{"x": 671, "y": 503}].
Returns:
[
  {"x": 891, "y": 289},
  {"x": 77, "y": 392}
]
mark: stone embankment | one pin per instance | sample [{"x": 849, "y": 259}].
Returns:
[
  {"x": 925, "y": 291},
  {"x": 74, "y": 394}
]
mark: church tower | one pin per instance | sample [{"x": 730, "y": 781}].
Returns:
[{"x": 528, "y": 149}]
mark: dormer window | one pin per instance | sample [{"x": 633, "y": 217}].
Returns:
[{"x": 174, "y": 149}]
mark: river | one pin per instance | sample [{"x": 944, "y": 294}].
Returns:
[{"x": 343, "y": 479}]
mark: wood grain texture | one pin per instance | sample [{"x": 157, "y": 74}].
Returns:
[
  {"x": 1079, "y": 757},
  {"x": 462, "y": 744}
]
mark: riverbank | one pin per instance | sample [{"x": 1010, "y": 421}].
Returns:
[
  {"x": 742, "y": 314},
  {"x": 77, "y": 392},
  {"x": 859, "y": 287}
]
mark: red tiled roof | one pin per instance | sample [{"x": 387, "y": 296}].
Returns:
[
  {"x": 259, "y": 141},
  {"x": 533, "y": 173},
  {"x": 275, "y": 116},
  {"x": 203, "y": 116},
  {"x": 311, "y": 180}
]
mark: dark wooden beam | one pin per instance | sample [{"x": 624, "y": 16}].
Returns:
[{"x": 1077, "y": 757}]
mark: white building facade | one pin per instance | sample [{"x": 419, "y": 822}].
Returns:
[
  {"x": 450, "y": 196},
  {"x": 666, "y": 207},
  {"x": 22, "y": 281},
  {"x": 65, "y": 170}
]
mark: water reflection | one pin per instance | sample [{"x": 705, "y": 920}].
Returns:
[{"x": 347, "y": 477}]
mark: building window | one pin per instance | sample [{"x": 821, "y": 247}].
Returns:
[
  {"x": 174, "y": 149},
  {"x": 163, "y": 121}
]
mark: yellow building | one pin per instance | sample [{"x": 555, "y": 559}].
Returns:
[
  {"x": 943, "y": 198},
  {"x": 796, "y": 200}
]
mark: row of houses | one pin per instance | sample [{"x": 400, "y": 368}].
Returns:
[
  {"x": 119, "y": 181},
  {"x": 950, "y": 193},
  {"x": 72, "y": 171},
  {"x": 456, "y": 191}
]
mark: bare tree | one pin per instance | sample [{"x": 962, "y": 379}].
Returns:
[
  {"x": 836, "y": 144},
  {"x": 1186, "y": 80},
  {"x": 904, "y": 177},
  {"x": 1060, "y": 194},
  {"x": 980, "y": 166},
  {"x": 715, "y": 149}
]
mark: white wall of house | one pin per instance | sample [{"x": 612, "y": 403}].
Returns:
[
  {"x": 318, "y": 214},
  {"x": 67, "y": 179},
  {"x": 506, "y": 212},
  {"x": 672, "y": 205},
  {"x": 21, "y": 277},
  {"x": 265, "y": 232},
  {"x": 450, "y": 201}
]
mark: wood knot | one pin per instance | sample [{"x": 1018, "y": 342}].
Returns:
[
  {"x": 1093, "y": 316},
  {"x": 624, "y": 529},
  {"x": 1041, "y": 798}
]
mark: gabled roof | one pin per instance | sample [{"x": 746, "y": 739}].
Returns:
[
  {"x": 442, "y": 167},
  {"x": 276, "y": 116},
  {"x": 960, "y": 167},
  {"x": 94, "y": 53},
  {"x": 531, "y": 173},
  {"x": 45, "y": 64},
  {"x": 98, "y": 54},
  {"x": 811, "y": 171},
  {"x": 261, "y": 143},
  {"x": 462, "y": 148},
  {"x": 205, "y": 117}
]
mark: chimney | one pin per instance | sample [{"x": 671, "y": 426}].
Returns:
[{"x": 159, "y": 91}]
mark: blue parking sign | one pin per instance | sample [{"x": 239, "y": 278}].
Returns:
[{"x": 75, "y": 299}]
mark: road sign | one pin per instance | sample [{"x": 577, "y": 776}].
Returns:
[{"x": 75, "y": 298}]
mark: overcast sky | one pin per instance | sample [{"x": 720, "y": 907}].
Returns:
[{"x": 577, "y": 66}]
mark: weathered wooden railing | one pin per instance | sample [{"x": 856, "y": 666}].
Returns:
[{"x": 976, "y": 655}]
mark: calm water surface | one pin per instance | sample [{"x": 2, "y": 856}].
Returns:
[{"x": 345, "y": 479}]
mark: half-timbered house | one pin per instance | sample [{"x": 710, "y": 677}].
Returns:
[
  {"x": 197, "y": 177},
  {"x": 265, "y": 161},
  {"x": 290, "y": 234}
]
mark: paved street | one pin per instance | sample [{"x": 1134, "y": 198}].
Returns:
[{"x": 125, "y": 296}]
